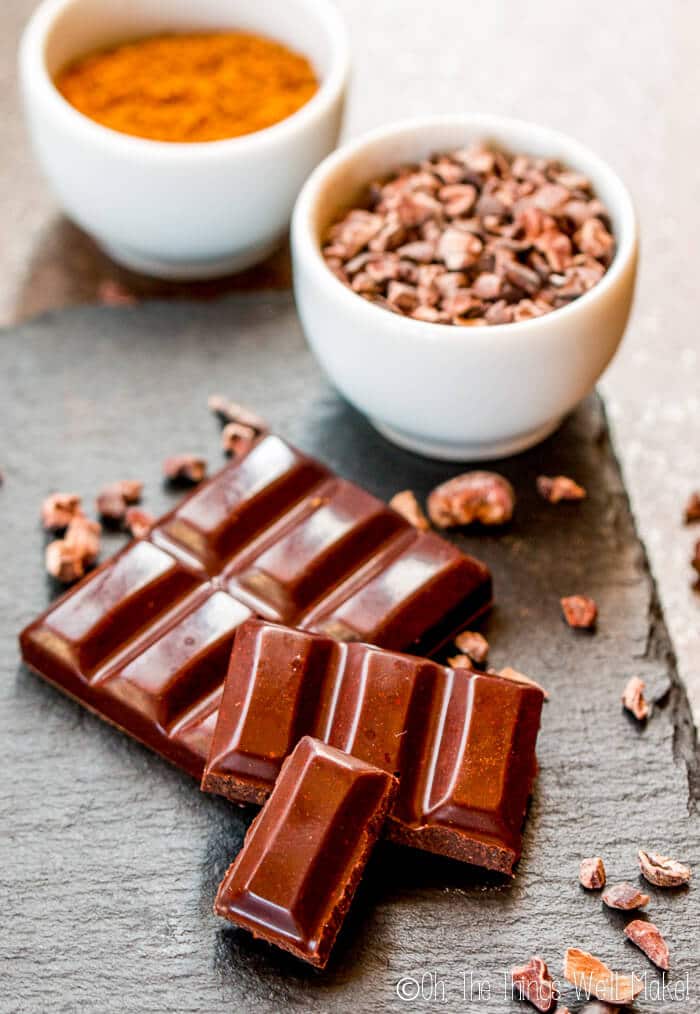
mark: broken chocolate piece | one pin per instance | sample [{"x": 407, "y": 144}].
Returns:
[
  {"x": 592, "y": 873},
  {"x": 438, "y": 729},
  {"x": 556, "y": 488},
  {"x": 303, "y": 857},
  {"x": 662, "y": 871},
  {"x": 580, "y": 611},
  {"x": 649, "y": 939},
  {"x": 406, "y": 504},
  {"x": 633, "y": 699},
  {"x": 624, "y": 896},
  {"x": 534, "y": 984},
  {"x": 485, "y": 497}
]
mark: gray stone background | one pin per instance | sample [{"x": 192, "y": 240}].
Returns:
[{"x": 623, "y": 76}]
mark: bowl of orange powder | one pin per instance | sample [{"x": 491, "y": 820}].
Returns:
[{"x": 178, "y": 135}]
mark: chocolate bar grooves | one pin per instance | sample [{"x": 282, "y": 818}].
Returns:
[{"x": 143, "y": 639}]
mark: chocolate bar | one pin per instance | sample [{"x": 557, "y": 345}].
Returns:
[
  {"x": 144, "y": 640},
  {"x": 294, "y": 879},
  {"x": 462, "y": 743}
]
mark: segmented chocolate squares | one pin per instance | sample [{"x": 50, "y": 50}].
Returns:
[
  {"x": 462, "y": 743},
  {"x": 144, "y": 640}
]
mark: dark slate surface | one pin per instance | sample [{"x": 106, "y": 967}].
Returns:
[{"x": 109, "y": 858}]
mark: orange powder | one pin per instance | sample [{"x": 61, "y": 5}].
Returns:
[{"x": 185, "y": 88}]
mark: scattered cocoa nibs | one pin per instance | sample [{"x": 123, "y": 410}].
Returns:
[
  {"x": 232, "y": 412},
  {"x": 591, "y": 976},
  {"x": 625, "y": 897},
  {"x": 138, "y": 522},
  {"x": 483, "y": 497},
  {"x": 556, "y": 488},
  {"x": 534, "y": 984},
  {"x": 648, "y": 938},
  {"x": 112, "y": 500},
  {"x": 518, "y": 677},
  {"x": 406, "y": 504},
  {"x": 591, "y": 873},
  {"x": 473, "y": 644},
  {"x": 580, "y": 611},
  {"x": 633, "y": 699},
  {"x": 185, "y": 468},
  {"x": 524, "y": 235},
  {"x": 662, "y": 871},
  {"x": 237, "y": 439},
  {"x": 63, "y": 562},
  {"x": 58, "y": 510},
  {"x": 110, "y": 292},
  {"x": 692, "y": 509}
]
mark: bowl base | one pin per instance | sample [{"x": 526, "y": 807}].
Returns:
[
  {"x": 456, "y": 451},
  {"x": 186, "y": 271}
]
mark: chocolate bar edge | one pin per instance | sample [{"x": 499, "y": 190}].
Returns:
[{"x": 372, "y": 832}]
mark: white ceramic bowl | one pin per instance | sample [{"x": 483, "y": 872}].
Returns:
[
  {"x": 445, "y": 391},
  {"x": 180, "y": 210}
]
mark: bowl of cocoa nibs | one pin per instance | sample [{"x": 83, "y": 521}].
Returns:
[{"x": 464, "y": 281}]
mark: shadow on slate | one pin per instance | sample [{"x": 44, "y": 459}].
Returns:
[{"x": 110, "y": 858}]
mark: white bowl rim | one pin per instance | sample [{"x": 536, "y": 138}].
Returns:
[
  {"x": 309, "y": 247},
  {"x": 33, "y": 67}
]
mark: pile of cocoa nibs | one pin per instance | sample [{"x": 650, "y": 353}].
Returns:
[{"x": 474, "y": 237}]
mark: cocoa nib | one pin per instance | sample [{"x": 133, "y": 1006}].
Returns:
[
  {"x": 230, "y": 411},
  {"x": 580, "y": 611},
  {"x": 138, "y": 522},
  {"x": 625, "y": 897},
  {"x": 591, "y": 976},
  {"x": 460, "y": 662},
  {"x": 696, "y": 558},
  {"x": 526, "y": 236},
  {"x": 485, "y": 497},
  {"x": 559, "y": 487},
  {"x": 185, "y": 468},
  {"x": 473, "y": 644},
  {"x": 112, "y": 500},
  {"x": 406, "y": 504},
  {"x": 633, "y": 699},
  {"x": 591, "y": 873},
  {"x": 58, "y": 510},
  {"x": 692, "y": 509},
  {"x": 512, "y": 674},
  {"x": 649, "y": 939},
  {"x": 63, "y": 562},
  {"x": 68, "y": 558},
  {"x": 662, "y": 871},
  {"x": 534, "y": 983},
  {"x": 237, "y": 438}
]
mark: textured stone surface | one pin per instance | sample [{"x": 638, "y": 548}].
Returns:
[
  {"x": 109, "y": 859},
  {"x": 623, "y": 78}
]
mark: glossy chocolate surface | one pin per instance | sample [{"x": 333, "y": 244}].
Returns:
[
  {"x": 293, "y": 881},
  {"x": 462, "y": 743},
  {"x": 144, "y": 640}
]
